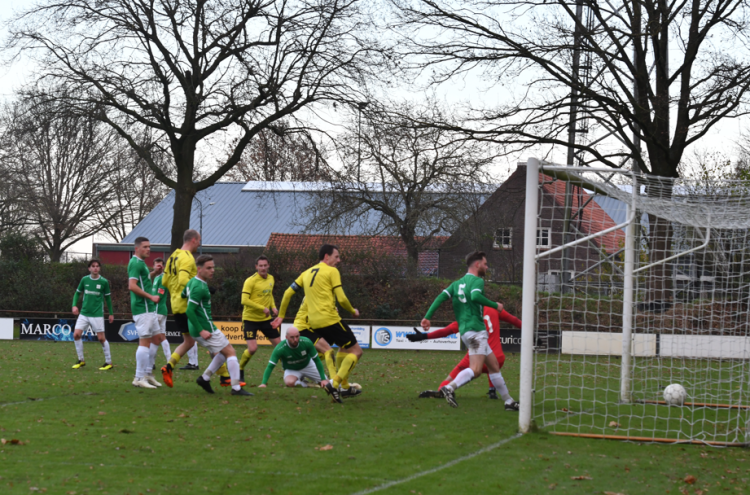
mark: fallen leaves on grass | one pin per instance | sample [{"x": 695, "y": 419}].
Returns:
[
  {"x": 613, "y": 493},
  {"x": 614, "y": 424},
  {"x": 582, "y": 477},
  {"x": 690, "y": 479},
  {"x": 325, "y": 447},
  {"x": 13, "y": 441},
  {"x": 125, "y": 430}
]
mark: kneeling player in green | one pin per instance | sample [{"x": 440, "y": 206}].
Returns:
[{"x": 300, "y": 360}]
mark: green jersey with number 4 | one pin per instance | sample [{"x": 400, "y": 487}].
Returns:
[{"x": 467, "y": 296}]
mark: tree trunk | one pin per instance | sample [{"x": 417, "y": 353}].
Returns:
[
  {"x": 660, "y": 240},
  {"x": 183, "y": 206}
]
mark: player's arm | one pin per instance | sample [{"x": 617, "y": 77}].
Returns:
[
  {"x": 183, "y": 271},
  {"x": 247, "y": 290},
  {"x": 108, "y": 298},
  {"x": 293, "y": 289},
  {"x": 196, "y": 316},
  {"x": 338, "y": 291},
  {"x": 270, "y": 366},
  {"x": 75, "y": 297},
  {"x": 436, "y": 334},
  {"x": 133, "y": 287},
  {"x": 319, "y": 365},
  {"x": 477, "y": 296},
  {"x": 509, "y": 318}
]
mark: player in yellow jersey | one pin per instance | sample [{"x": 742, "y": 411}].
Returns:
[
  {"x": 322, "y": 286},
  {"x": 258, "y": 310},
  {"x": 178, "y": 272}
]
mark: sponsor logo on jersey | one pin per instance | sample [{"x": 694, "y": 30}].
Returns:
[{"x": 91, "y": 292}]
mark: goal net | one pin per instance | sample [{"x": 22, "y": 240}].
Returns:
[{"x": 633, "y": 283}]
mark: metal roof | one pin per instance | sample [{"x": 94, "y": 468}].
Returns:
[{"x": 240, "y": 216}]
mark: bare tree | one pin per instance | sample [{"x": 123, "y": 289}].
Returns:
[
  {"x": 280, "y": 153},
  {"x": 402, "y": 177},
  {"x": 12, "y": 215},
  {"x": 603, "y": 78},
  {"x": 198, "y": 71},
  {"x": 61, "y": 166}
]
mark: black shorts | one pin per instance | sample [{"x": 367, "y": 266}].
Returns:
[
  {"x": 338, "y": 333},
  {"x": 252, "y": 327},
  {"x": 314, "y": 337},
  {"x": 181, "y": 320}
]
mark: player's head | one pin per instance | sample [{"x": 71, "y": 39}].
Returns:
[
  {"x": 262, "y": 265},
  {"x": 191, "y": 240},
  {"x": 329, "y": 254},
  {"x": 205, "y": 265},
  {"x": 158, "y": 266},
  {"x": 94, "y": 266},
  {"x": 477, "y": 261},
  {"x": 142, "y": 247},
  {"x": 292, "y": 337}
]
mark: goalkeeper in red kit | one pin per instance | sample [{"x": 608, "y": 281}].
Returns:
[{"x": 492, "y": 319}]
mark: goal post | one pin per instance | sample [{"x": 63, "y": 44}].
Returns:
[{"x": 632, "y": 283}]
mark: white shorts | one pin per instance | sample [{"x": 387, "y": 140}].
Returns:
[
  {"x": 476, "y": 343},
  {"x": 162, "y": 319},
  {"x": 310, "y": 371},
  {"x": 95, "y": 323},
  {"x": 215, "y": 344},
  {"x": 146, "y": 325}
]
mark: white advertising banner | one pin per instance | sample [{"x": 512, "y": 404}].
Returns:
[
  {"x": 387, "y": 337},
  {"x": 6, "y": 328},
  {"x": 362, "y": 332}
]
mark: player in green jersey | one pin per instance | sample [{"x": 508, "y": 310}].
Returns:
[
  {"x": 300, "y": 361},
  {"x": 468, "y": 299},
  {"x": 95, "y": 290},
  {"x": 158, "y": 289},
  {"x": 203, "y": 330},
  {"x": 142, "y": 306}
]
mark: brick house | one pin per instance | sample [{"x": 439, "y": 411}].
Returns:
[{"x": 498, "y": 229}]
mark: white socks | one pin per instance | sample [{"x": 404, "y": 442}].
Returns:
[
  {"x": 105, "y": 348},
  {"x": 499, "y": 382},
  {"x": 79, "y": 348},
  {"x": 300, "y": 383},
  {"x": 216, "y": 363},
  {"x": 166, "y": 349},
  {"x": 142, "y": 360},
  {"x": 233, "y": 366},
  {"x": 153, "y": 349},
  {"x": 462, "y": 379},
  {"x": 193, "y": 355}
]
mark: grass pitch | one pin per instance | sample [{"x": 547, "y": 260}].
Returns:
[{"x": 86, "y": 431}]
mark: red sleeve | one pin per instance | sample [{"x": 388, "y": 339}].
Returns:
[
  {"x": 509, "y": 318},
  {"x": 444, "y": 332}
]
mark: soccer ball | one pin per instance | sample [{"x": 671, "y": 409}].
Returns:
[
  {"x": 355, "y": 386},
  {"x": 675, "y": 395}
]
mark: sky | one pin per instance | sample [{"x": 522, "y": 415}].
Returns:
[{"x": 722, "y": 138}]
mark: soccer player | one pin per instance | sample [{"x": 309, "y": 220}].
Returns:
[
  {"x": 203, "y": 330},
  {"x": 300, "y": 361},
  {"x": 158, "y": 289},
  {"x": 95, "y": 290},
  {"x": 467, "y": 296},
  {"x": 322, "y": 287},
  {"x": 178, "y": 272},
  {"x": 492, "y": 318},
  {"x": 258, "y": 308},
  {"x": 142, "y": 305}
]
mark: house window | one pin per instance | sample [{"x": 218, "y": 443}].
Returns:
[
  {"x": 503, "y": 238},
  {"x": 543, "y": 238}
]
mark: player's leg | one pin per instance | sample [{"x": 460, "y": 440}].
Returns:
[
  {"x": 153, "y": 349},
  {"x": 343, "y": 336},
  {"x": 493, "y": 369},
  {"x": 193, "y": 356},
  {"x": 325, "y": 351},
  {"x": 102, "y": 338},
  {"x": 187, "y": 343},
  {"x": 293, "y": 378},
  {"x": 164, "y": 343},
  {"x": 81, "y": 326},
  {"x": 233, "y": 366},
  {"x": 250, "y": 329},
  {"x": 204, "y": 381},
  {"x": 143, "y": 327},
  {"x": 476, "y": 342}
]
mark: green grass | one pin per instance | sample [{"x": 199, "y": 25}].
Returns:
[{"x": 88, "y": 431}]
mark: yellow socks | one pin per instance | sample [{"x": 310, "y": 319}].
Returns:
[
  {"x": 223, "y": 371},
  {"x": 350, "y": 360},
  {"x": 340, "y": 356},
  {"x": 246, "y": 356},
  {"x": 330, "y": 364},
  {"x": 174, "y": 359}
]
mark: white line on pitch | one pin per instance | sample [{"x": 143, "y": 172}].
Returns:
[{"x": 439, "y": 468}]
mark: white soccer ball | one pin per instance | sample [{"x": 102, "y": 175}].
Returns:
[{"x": 675, "y": 395}]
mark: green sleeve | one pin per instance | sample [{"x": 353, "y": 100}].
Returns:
[
  {"x": 75, "y": 294},
  {"x": 271, "y": 365},
  {"x": 108, "y": 297},
  {"x": 319, "y": 365},
  {"x": 444, "y": 296},
  {"x": 133, "y": 272},
  {"x": 195, "y": 317},
  {"x": 478, "y": 297}
]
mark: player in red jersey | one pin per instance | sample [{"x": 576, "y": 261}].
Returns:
[{"x": 492, "y": 319}]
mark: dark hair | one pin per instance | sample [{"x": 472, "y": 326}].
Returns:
[
  {"x": 189, "y": 235},
  {"x": 326, "y": 249},
  {"x": 94, "y": 260},
  {"x": 140, "y": 240},
  {"x": 158, "y": 260},
  {"x": 261, "y": 258},
  {"x": 203, "y": 259},
  {"x": 475, "y": 256}
]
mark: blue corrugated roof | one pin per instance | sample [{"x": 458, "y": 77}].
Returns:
[{"x": 237, "y": 217}]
